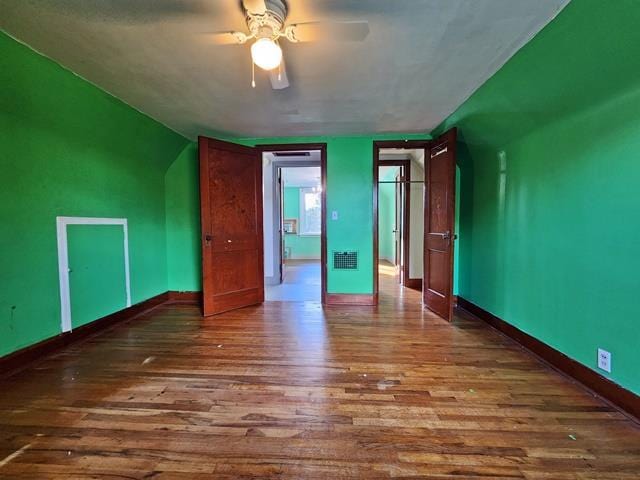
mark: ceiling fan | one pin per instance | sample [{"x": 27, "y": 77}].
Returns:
[{"x": 266, "y": 25}]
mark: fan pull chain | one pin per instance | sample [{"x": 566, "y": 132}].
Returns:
[{"x": 253, "y": 74}]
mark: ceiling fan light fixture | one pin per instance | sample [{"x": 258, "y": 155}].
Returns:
[{"x": 266, "y": 53}]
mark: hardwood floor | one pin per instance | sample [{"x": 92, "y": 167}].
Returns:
[{"x": 289, "y": 390}]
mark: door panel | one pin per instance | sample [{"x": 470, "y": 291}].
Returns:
[
  {"x": 440, "y": 176},
  {"x": 231, "y": 214}
]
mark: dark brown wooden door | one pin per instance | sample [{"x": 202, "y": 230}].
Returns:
[
  {"x": 231, "y": 215},
  {"x": 439, "y": 221}
]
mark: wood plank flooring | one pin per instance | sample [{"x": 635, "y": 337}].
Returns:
[{"x": 293, "y": 391}]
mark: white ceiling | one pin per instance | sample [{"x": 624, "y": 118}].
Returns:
[
  {"x": 416, "y": 154},
  {"x": 301, "y": 176},
  {"x": 421, "y": 60}
]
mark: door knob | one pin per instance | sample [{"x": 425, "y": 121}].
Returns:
[
  {"x": 446, "y": 235},
  {"x": 207, "y": 239}
]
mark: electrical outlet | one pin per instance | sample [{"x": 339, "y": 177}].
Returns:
[{"x": 604, "y": 360}]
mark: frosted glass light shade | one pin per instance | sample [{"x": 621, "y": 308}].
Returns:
[{"x": 266, "y": 54}]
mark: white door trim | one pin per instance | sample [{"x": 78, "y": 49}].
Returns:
[{"x": 63, "y": 261}]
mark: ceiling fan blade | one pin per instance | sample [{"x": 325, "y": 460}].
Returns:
[
  {"x": 278, "y": 77},
  {"x": 228, "y": 38},
  {"x": 257, "y": 7},
  {"x": 331, "y": 31}
]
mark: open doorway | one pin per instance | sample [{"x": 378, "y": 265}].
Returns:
[
  {"x": 294, "y": 223},
  {"x": 392, "y": 220},
  {"x": 300, "y": 214},
  {"x": 422, "y": 219},
  {"x": 399, "y": 179}
]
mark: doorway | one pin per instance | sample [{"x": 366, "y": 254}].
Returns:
[
  {"x": 425, "y": 195},
  {"x": 399, "y": 185},
  {"x": 299, "y": 227},
  {"x": 234, "y": 221},
  {"x": 294, "y": 222},
  {"x": 393, "y": 227}
]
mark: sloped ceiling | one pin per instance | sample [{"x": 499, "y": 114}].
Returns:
[{"x": 421, "y": 60}]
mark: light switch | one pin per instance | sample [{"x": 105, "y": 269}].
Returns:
[{"x": 334, "y": 215}]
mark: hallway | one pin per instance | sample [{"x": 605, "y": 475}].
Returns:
[
  {"x": 391, "y": 292},
  {"x": 296, "y": 391}
]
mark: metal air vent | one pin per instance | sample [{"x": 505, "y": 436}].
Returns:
[{"x": 345, "y": 260}]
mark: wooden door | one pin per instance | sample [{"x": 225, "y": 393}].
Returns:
[
  {"x": 231, "y": 216},
  {"x": 439, "y": 221}
]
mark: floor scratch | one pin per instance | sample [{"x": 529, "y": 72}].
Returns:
[{"x": 15, "y": 454}]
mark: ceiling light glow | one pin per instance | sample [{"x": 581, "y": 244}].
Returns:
[{"x": 266, "y": 54}]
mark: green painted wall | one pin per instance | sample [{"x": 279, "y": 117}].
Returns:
[
  {"x": 386, "y": 216},
  {"x": 68, "y": 148},
  {"x": 183, "y": 221},
  {"x": 550, "y": 187},
  {"x": 349, "y": 191},
  {"x": 302, "y": 246},
  {"x": 96, "y": 271}
]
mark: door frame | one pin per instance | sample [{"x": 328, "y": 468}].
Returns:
[
  {"x": 62, "y": 223},
  {"x": 277, "y": 205},
  {"x": 404, "y": 256},
  {"x": 322, "y": 147},
  {"x": 377, "y": 146}
]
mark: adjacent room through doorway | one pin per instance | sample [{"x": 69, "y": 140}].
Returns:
[
  {"x": 391, "y": 192},
  {"x": 400, "y": 204},
  {"x": 293, "y": 233}
]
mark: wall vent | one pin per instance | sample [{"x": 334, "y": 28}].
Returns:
[
  {"x": 291, "y": 154},
  {"x": 345, "y": 260}
]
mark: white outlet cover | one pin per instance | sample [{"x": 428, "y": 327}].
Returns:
[
  {"x": 604, "y": 360},
  {"x": 334, "y": 215}
]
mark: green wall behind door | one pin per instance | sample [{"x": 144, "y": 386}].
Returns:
[
  {"x": 550, "y": 187},
  {"x": 68, "y": 148},
  {"x": 182, "y": 198}
]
